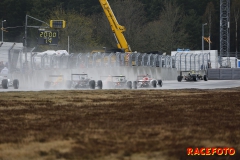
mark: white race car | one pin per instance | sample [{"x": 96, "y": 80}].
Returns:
[
  {"x": 83, "y": 81},
  {"x": 7, "y": 82}
]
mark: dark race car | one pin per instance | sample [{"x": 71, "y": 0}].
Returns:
[
  {"x": 191, "y": 76},
  {"x": 7, "y": 82},
  {"x": 82, "y": 81}
]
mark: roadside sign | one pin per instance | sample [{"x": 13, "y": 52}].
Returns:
[
  {"x": 238, "y": 63},
  {"x": 48, "y": 37}
]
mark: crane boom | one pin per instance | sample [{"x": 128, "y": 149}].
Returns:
[{"x": 116, "y": 28}]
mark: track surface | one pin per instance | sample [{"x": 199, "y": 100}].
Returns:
[{"x": 211, "y": 84}]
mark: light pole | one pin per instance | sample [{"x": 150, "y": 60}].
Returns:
[
  {"x": 203, "y": 35},
  {"x": 2, "y": 29}
]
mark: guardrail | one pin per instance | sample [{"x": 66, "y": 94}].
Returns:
[{"x": 224, "y": 74}]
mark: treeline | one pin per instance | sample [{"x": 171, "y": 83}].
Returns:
[{"x": 162, "y": 25}]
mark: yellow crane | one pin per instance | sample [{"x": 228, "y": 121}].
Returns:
[{"x": 117, "y": 29}]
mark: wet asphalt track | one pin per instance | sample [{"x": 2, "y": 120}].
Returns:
[{"x": 211, "y": 84}]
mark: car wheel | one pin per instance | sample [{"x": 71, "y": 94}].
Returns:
[
  {"x": 15, "y": 83},
  {"x": 129, "y": 85},
  {"x": 160, "y": 83},
  {"x": 179, "y": 78},
  {"x": 5, "y": 84},
  {"x": 205, "y": 78},
  {"x": 134, "y": 84},
  {"x": 194, "y": 78},
  {"x": 92, "y": 84},
  {"x": 154, "y": 83},
  {"x": 99, "y": 84}
]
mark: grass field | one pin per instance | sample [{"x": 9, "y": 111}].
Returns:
[{"x": 118, "y": 124}]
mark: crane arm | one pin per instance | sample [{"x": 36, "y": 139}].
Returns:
[{"x": 116, "y": 28}]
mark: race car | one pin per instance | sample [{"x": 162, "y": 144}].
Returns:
[
  {"x": 82, "y": 81},
  {"x": 145, "y": 81},
  {"x": 116, "y": 82},
  {"x": 54, "y": 81},
  {"x": 191, "y": 76},
  {"x": 8, "y": 82}
]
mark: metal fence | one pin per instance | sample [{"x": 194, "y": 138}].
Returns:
[
  {"x": 11, "y": 55},
  {"x": 88, "y": 60},
  {"x": 190, "y": 61}
]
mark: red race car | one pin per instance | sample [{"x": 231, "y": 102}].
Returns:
[{"x": 145, "y": 81}]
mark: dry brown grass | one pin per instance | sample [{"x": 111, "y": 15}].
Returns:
[{"x": 118, "y": 124}]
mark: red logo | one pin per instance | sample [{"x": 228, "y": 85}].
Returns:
[{"x": 210, "y": 151}]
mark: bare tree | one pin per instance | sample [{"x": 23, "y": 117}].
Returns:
[
  {"x": 168, "y": 32},
  {"x": 79, "y": 29}
]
